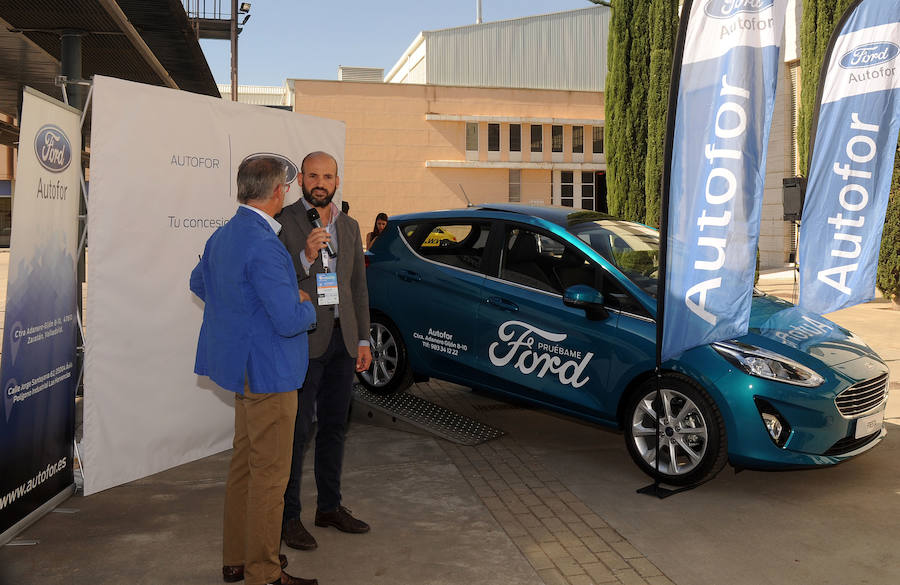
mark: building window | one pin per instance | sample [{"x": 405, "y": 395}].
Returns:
[
  {"x": 557, "y": 134},
  {"x": 587, "y": 190},
  {"x": 567, "y": 189},
  {"x": 515, "y": 185},
  {"x": 537, "y": 138},
  {"x": 598, "y": 139},
  {"x": 578, "y": 139},
  {"x": 494, "y": 137},
  {"x": 472, "y": 136},
  {"x": 515, "y": 137}
]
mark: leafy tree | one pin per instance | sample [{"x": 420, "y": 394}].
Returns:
[
  {"x": 663, "y": 29},
  {"x": 626, "y": 108},
  {"x": 820, "y": 17}
]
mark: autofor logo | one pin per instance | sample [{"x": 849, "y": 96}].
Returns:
[
  {"x": 729, "y": 8},
  {"x": 53, "y": 149},
  {"x": 869, "y": 55}
]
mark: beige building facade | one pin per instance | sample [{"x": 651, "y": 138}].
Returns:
[{"x": 425, "y": 147}]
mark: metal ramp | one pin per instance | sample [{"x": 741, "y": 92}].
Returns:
[{"x": 410, "y": 413}]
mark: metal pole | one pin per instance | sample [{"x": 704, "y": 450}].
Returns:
[
  {"x": 234, "y": 50},
  {"x": 70, "y": 63},
  {"x": 477, "y": 11},
  {"x": 74, "y": 94}
]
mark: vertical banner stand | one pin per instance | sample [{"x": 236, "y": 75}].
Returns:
[
  {"x": 655, "y": 488},
  {"x": 80, "y": 257}
]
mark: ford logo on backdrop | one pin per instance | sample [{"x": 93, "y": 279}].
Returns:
[
  {"x": 869, "y": 54},
  {"x": 53, "y": 150},
  {"x": 728, "y": 8},
  {"x": 292, "y": 170}
]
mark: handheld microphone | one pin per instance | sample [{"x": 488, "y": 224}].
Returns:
[{"x": 313, "y": 216}]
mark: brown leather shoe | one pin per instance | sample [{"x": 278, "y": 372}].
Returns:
[
  {"x": 342, "y": 520},
  {"x": 235, "y": 573},
  {"x": 289, "y": 580},
  {"x": 295, "y": 535}
]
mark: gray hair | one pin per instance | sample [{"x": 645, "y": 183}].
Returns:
[{"x": 258, "y": 177}]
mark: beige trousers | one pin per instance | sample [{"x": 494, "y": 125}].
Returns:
[{"x": 257, "y": 477}]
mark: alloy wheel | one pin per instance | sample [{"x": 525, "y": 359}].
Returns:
[
  {"x": 683, "y": 432},
  {"x": 385, "y": 357}
]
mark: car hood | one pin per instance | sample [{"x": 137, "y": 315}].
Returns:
[{"x": 779, "y": 326}]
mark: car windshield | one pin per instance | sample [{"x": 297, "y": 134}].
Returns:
[{"x": 631, "y": 247}]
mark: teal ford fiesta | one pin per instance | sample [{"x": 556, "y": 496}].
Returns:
[{"x": 557, "y": 307}]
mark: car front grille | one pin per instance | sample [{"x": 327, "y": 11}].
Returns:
[
  {"x": 862, "y": 397},
  {"x": 848, "y": 444}
]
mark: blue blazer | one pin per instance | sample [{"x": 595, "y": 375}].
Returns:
[{"x": 253, "y": 320}]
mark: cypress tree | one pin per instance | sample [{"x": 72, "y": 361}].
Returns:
[
  {"x": 663, "y": 27},
  {"x": 888, "y": 279},
  {"x": 626, "y": 108},
  {"x": 816, "y": 27}
]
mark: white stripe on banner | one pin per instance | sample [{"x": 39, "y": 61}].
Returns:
[
  {"x": 864, "y": 61},
  {"x": 852, "y": 161},
  {"x": 726, "y": 24},
  {"x": 722, "y": 122}
]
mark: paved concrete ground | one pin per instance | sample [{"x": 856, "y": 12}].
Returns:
[{"x": 552, "y": 502}]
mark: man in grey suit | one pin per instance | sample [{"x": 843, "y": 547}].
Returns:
[{"x": 330, "y": 267}]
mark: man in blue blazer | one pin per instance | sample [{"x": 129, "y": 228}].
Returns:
[{"x": 253, "y": 342}]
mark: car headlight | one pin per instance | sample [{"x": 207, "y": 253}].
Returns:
[{"x": 767, "y": 364}]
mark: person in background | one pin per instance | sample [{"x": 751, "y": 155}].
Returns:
[
  {"x": 253, "y": 343},
  {"x": 380, "y": 222},
  {"x": 330, "y": 264}
]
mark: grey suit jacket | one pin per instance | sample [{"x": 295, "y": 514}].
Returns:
[{"x": 353, "y": 294}]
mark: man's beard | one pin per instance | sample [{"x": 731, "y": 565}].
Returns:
[{"x": 317, "y": 200}]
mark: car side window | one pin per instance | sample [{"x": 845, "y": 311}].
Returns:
[
  {"x": 534, "y": 259},
  {"x": 616, "y": 297},
  {"x": 458, "y": 244}
]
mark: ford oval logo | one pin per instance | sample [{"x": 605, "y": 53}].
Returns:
[
  {"x": 292, "y": 170},
  {"x": 728, "y": 8},
  {"x": 52, "y": 147},
  {"x": 869, "y": 54}
]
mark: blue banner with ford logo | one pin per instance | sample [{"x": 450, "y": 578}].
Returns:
[
  {"x": 37, "y": 365},
  {"x": 726, "y": 94},
  {"x": 853, "y": 146}
]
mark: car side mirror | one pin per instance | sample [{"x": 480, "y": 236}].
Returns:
[{"x": 581, "y": 296}]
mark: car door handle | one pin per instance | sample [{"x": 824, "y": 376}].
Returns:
[
  {"x": 409, "y": 275},
  {"x": 501, "y": 303}
]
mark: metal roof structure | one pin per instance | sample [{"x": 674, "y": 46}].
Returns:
[
  {"x": 148, "y": 41},
  {"x": 561, "y": 50}
]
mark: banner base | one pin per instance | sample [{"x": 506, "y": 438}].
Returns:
[
  {"x": 656, "y": 489},
  {"x": 37, "y": 514}
]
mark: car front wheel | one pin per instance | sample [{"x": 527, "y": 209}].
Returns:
[
  {"x": 692, "y": 445},
  {"x": 390, "y": 371}
]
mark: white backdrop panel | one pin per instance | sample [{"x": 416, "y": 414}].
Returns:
[{"x": 163, "y": 169}]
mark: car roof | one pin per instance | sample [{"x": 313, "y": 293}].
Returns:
[{"x": 562, "y": 216}]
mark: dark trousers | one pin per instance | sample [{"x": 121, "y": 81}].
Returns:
[{"x": 326, "y": 393}]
